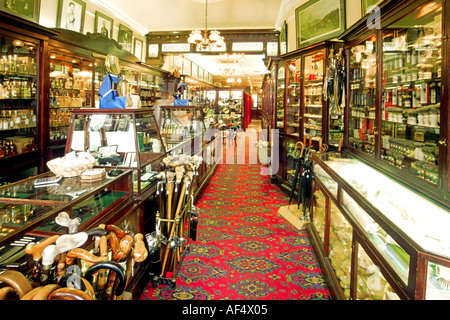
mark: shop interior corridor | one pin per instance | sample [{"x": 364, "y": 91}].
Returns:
[{"x": 244, "y": 248}]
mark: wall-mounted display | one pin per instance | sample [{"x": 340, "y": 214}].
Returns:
[
  {"x": 125, "y": 38},
  {"x": 71, "y": 15},
  {"x": 319, "y": 20},
  {"x": 138, "y": 48},
  {"x": 103, "y": 24}
]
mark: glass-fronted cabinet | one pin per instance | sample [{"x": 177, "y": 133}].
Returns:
[
  {"x": 70, "y": 89},
  {"x": 18, "y": 96},
  {"x": 412, "y": 62},
  {"x": 293, "y": 87},
  {"x": 403, "y": 250},
  {"x": 313, "y": 74},
  {"x": 120, "y": 138},
  {"x": 398, "y": 105},
  {"x": 279, "y": 102},
  {"x": 362, "y": 100}
]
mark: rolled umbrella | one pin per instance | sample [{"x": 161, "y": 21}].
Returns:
[{"x": 297, "y": 170}]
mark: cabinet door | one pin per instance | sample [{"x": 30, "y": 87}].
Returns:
[
  {"x": 412, "y": 59},
  {"x": 362, "y": 104},
  {"x": 280, "y": 98},
  {"x": 18, "y": 97},
  {"x": 70, "y": 89},
  {"x": 312, "y": 95},
  {"x": 293, "y": 98}
]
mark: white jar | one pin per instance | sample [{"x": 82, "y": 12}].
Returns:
[
  {"x": 420, "y": 118},
  {"x": 433, "y": 119}
]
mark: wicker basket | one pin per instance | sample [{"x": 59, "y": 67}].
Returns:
[{"x": 73, "y": 167}]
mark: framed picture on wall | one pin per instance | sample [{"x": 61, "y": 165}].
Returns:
[
  {"x": 368, "y": 3},
  {"x": 153, "y": 50},
  {"x": 319, "y": 20},
  {"x": 125, "y": 37},
  {"x": 26, "y": 9},
  {"x": 71, "y": 15},
  {"x": 283, "y": 39},
  {"x": 103, "y": 24},
  {"x": 138, "y": 48}
]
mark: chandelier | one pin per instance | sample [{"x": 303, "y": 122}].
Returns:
[{"x": 206, "y": 39}]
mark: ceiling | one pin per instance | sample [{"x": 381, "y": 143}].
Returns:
[{"x": 181, "y": 15}]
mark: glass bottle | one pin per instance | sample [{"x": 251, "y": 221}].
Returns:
[
  {"x": 17, "y": 120},
  {"x": 33, "y": 91},
  {"x": 33, "y": 117},
  {"x": 10, "y": 120},
  {"x": 32, "y": 68},
  {"x": 13, "y": 90}
]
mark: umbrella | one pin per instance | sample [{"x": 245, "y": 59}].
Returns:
[{"x": 297, "y": 170}]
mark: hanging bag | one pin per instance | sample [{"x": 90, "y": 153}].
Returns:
[{"x": 109, "y": 97}]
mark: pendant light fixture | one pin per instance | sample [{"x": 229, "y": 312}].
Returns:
[{"x": 206, "y": 39}]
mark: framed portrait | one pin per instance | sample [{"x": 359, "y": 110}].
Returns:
[
  {"x": 125, "y": 37},
  {"x": 71, "y": 15},
  {"x": 103, "y": 24},
  {"x": 138, "y": 48},
  {"x": 283, "y": 39},
  {"x": 368, "y": 3},
  {"x": 319, "y": 20},
  {"x": 153, "y": 50},
  {"x": 26, "y": 9}
]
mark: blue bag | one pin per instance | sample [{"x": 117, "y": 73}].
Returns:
[{"x": 109, "y": 97}]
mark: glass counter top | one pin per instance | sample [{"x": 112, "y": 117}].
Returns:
[{"x": 423, "y": 221}]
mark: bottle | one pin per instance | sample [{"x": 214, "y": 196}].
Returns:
[
  {"x": 25, "y": 119},
  {"x": 10, "y": 120},
  {"x": 10, "y": 64},
  {"x": 32, "y": 68},
  {"x": 33, "y": 117},
  {"x": 2, "y": 65},
  {"x": 13, "y": 90},
  {"x": 17, "y": 120},
  {"x": 4, "y": 121},
  {"x": 15, "y": 64},
  {"x": 33, "y": 91}
]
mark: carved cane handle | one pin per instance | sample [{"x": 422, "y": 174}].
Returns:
[
  {"x": 140, "y": 251},
  {"x": 36, "y": 249},
  {"x": 88, "y": 257}
]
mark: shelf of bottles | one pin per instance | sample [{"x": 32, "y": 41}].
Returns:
[
  {"x": 17, "y": 96},
  {"x": 293, "y": 98},
  {"x": 149, "y": 89},
  {"x": 362, "y": 111},
  {"x": 411, "y": 94},
  {"x": 313, "y": 85},
  {"x": 70, "y": 88},
  {"x": 280, "y": 97}
]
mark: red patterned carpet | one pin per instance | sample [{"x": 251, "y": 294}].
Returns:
[{"x": 244, "y": 249}]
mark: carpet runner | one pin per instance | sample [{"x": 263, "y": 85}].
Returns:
[{"x": 244, "y": 249}]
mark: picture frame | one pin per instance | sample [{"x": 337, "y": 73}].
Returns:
[
  {"x": 284, "y": 39},
  {"x": 319, "y": 20},
  {"x": 25, "y": 9},
  {"x": 153, "y": 50},
  {"x": 365, "y": 4},
  {"x": 103, "y": 24},
  {"x": 71, "y": 15},
  {"x": 138, "y": 48},
  {"x": 125, "y": 38}
]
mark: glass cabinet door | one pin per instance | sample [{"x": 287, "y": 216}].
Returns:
[
  {"x": 70, "y": 88},
  {"x": 363, "y": 71},
  {"x": 18, "y": 102},
  {"x": 293, "y": 98},
  {"x": 412, "y": 60},
  {"x": 280, "y": 98},
  {"x": 313, "y": 84}
]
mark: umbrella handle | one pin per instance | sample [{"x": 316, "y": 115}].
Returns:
[{"x": 297, "y": 146}]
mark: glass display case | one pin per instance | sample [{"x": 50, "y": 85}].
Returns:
[
  {"x": 313, "y": 75},
  {"x": 18, "y": 96},
  {"x": 402, "y": 231},
  {"x": 281, "y": 89},
  {"x": 122, "y": 138},
  {"x": 179, "y": 125},
  {"x": 26, "y": 208},
  {"x": 412, "y": 62},
  {"x": 292, "y": 108},
  {"x": 70, "y": 89},
  {"x": 362, "y": 100}
]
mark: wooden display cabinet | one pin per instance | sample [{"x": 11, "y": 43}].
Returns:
[
  {"x": 374, "y": 237},
  {"x": 397, "y": 104}
]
